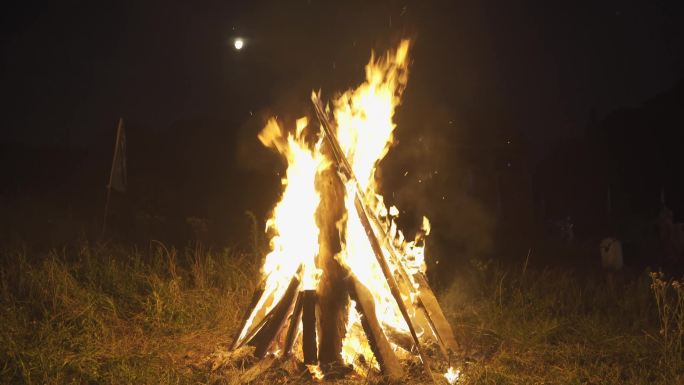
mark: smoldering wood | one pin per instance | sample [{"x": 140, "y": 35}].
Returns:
[
  {"x": 295, "y": 318},
  {"x": 309, "y": 347},
  {"x": 332, "y": 302},
  {"x": 365, "y": 305},
  {"x": 275, "y": 320}
]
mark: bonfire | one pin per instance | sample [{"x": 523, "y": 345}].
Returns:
[{"x": 343, "y": 290}]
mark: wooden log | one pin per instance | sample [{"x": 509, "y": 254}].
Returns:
[
  {"x": 438, "y": 321},
  {"x": 309, "y": 346},
  {"x": 258, "y": 292},
  {"x": 253, "y": 331},
  {"x": 391, "y": 282},
  {"x": 274, "y": 320},
  {"x": 332, "y": 302},
  {"x": 293, "y": 326},
  {"x": 365, "y": 305}
]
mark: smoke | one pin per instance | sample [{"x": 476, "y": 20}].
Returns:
[{"x": 430, "y": 172}]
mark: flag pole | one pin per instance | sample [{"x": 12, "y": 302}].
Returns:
[{"x": 111, "y": 175}]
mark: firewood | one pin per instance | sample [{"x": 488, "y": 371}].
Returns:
[
  {"x": 258, "y": 292},
  {"x": 439, "y": 321},
  {"x": 377, "y": 250},
  {"x": 309, "y": 346},
  {"x": 295, "y": 317},
  {"x": 365, "y": 305},
  {"x": 332, "y": 304},
  {"x": 275, "y": 319}
]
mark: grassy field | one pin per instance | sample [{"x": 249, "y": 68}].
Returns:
[{"x": 103, "y": 314}]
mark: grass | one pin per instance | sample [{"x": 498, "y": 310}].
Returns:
[
  {"x": 98, "y": 314},
  {"x": 554, "y": 327},
  {"x": 103, "y": 314}
]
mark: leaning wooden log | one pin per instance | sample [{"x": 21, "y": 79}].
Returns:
[
  {"x": 377, "y": 250},
  {"x": 258, "y": 292},
  {"x": 294, "y": 325},
  {"x": 309, "y": 346},
  {"x": 439, "y": 322},
  {"x": 365, "y": 305},
  {"x": 275, "y": 320}
]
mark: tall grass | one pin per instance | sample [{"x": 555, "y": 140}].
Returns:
[
  {"x": 669, "y": 296},
  {"x": 104, "y": 314},
  {"x": 527, "y": 326}
]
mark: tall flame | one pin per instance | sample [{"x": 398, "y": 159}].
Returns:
[
  {"x": 295, "y": 240},
  {"x": 365, "y": 127}
]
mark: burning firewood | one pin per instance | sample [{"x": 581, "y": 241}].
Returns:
[
  {"x": 376, "y": 337},
  {"x": 293, "y": 327},
  {"x": 332, "y": 302},
  {"x": 275, "y": 320},
  {"x": 332, "y": 242}
]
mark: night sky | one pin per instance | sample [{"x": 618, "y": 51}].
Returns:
[{"x": 71, "y": 68}]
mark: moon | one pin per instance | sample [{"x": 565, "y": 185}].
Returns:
[{"x": 238, "y": 43}]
